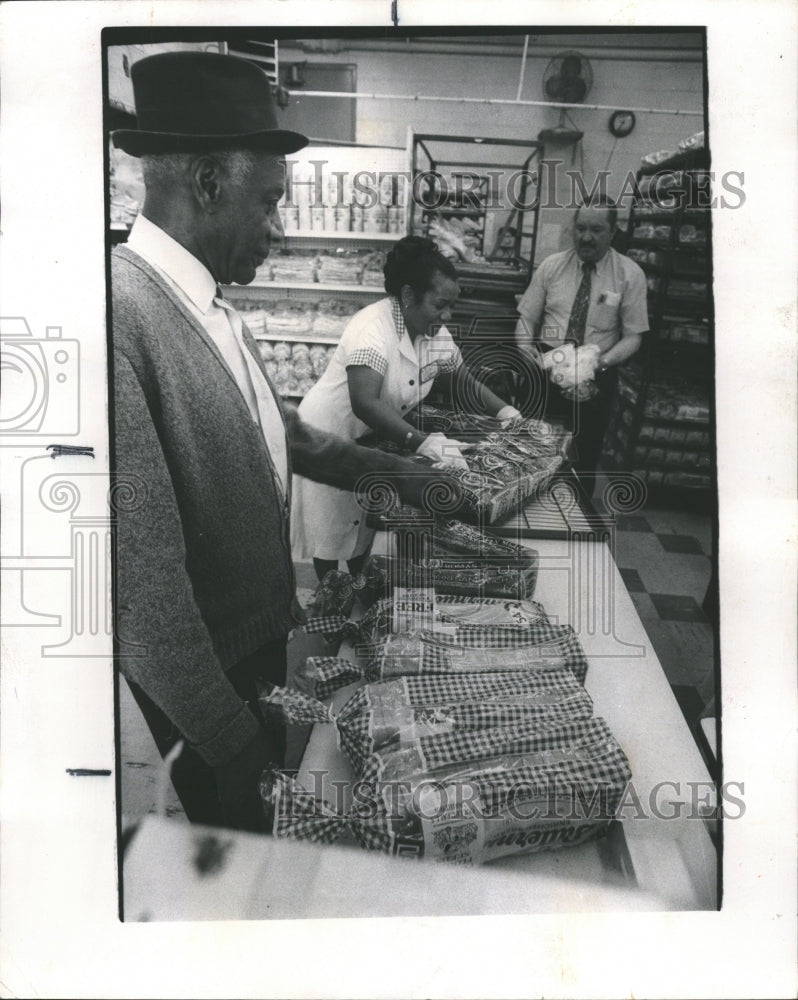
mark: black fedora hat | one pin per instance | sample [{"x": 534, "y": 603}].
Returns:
[{"x": 189, "y": 101}]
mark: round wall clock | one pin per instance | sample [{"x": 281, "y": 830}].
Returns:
[{"x": 621, "y": 123}]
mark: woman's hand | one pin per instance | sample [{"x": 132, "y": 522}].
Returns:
[
  {"x": 507, "y": 414},
  {"x": 443, "y": 450}
]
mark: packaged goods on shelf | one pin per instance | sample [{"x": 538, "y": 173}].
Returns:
[
  {"x": 123, "y": 210},
  {"x": 290, "y": 317},
  {"x": 687, "y": 289},
  {"x": 340, "y": 267},
  {"x": 458, "y": 239},
  {"x": 671, "y": 458},
  {"x": 320, "y": 357},
  {"x": 126, "y": 188},
  {"x": 294, "y": 367},
  {"x": 686, "y": 333},
  {"x": 373, "y": 265},
  {"x": 661, "y": 433},
  {"x": 684, "y": 480},
  {"x": 669, "y": 180},
  {"x": 654, "y": 159},
  {"x": 285, "y": 380},
  {"x": 375, "y": 219},
  {"x": 256, "y": 321},
  {"x": 693, "y": 234},
  {"x": 650, "y": 208},
  {"x": 304, "y": 385},
  {"x": 695, "y": 141},
  {"x": 291, "y": 266},
  {"x": 396, "y": 220},
  {"x": 651, "y": 231},
  {"x": 653, "y": 258},
  {"x": 331, "y": 316},
  {"x": 289, "y": 216},
  {"x": 669, "y": 399}
]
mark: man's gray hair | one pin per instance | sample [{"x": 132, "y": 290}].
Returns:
[{"x": 166, "y": 168}]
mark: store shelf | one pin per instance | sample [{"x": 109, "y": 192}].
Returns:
[
  {"x": 298, "y": 338},
  {"x": 311, "y": 286},
  {"x": 334, "y": 235},
  {"x": 477, "y": 212},
  {"x": 661, "y": 423}
]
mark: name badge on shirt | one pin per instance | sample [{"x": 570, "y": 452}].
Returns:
[{"x": 430, "y": 371}]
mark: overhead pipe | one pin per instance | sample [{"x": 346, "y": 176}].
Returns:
[
  {"x": 640, "y": 53},
  {"x": 511, "y": 102}
]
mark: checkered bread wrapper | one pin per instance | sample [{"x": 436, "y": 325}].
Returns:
[
  {"x": 542, "y": 790},
  {"x": 415, "y": 710},
  {"x": 477, "y": 649},
  {"x": 466, "y": 576}
]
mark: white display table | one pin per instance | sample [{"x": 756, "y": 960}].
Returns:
[
  {"x": 651, "y": 863},
  {"x": 668, "y": 855}
]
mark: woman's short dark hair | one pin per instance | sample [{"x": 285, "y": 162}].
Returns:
[{"x": 414, "y": 261}]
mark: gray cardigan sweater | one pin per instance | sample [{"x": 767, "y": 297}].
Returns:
[{"x": 203, "y": 570}]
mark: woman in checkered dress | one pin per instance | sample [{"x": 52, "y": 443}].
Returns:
[{"x": 384, "y": 366}]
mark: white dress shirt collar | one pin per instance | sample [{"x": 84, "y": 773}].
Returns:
[{"x": 182, "y": 268}]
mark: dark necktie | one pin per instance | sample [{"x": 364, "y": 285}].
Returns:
[{"x": 578, "y": 317}]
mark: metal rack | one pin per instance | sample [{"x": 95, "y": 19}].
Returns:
[
  {"x": 670, "y": 446},
  {"x": 506, "y": 252},
  {"x": 486, "y": 310}
]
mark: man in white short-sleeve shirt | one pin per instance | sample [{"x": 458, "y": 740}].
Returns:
[{"x": 590, "y": 294}]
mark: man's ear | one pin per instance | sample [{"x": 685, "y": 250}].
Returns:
[{"x": 206, "y": 182}]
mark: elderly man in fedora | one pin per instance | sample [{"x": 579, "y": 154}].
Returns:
[{"x": 205, "y": 589}]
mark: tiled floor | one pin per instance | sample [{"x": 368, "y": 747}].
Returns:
[{"x": 665, "y": 558}]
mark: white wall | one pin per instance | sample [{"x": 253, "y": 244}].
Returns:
[{"x": 633, "y": 72}]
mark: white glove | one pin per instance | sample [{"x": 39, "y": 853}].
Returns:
[
  {"x": 506, "y": 414},
  {"x": 443, "y": 450}
]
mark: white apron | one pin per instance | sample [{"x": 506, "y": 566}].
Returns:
[{"x": 327, "y": 523}]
